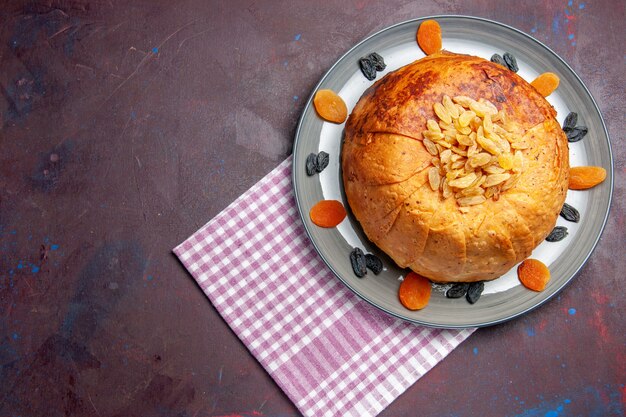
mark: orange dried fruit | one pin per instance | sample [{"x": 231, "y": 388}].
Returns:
[
  {"x": 546, "y": 83},
  {"x": 582, "y": 178},
  {"x": 414, "y": 291},
  {"x": 429, "y": 37},
  {"x": 327, "y": 213},
  {"x": 330, "y": 106},
  {"x": 533, "y": 274}
]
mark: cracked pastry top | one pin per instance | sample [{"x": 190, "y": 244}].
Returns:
[{"x": 455, "y": 167}]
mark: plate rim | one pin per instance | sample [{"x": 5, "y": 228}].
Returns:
[{"x": 485, "y": 323}]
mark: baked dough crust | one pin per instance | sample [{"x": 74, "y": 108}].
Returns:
[{"x": 385, "y": 168}]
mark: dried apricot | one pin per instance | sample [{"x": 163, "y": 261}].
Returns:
[
  {"x": 414, "y": 291},
  {"x": 330, "y": 106},
  {"x": 533, "y": 274},
  {"x": 429, "y": 37},
  {"x": 546, "y": 83},
  {"x": 327, "y": 213},
  {"x": 581, "y": 178}
]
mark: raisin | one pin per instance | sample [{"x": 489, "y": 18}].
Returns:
[
  {"x": 510, "y": 61},
  {"x": 497, "y": 59},
  {"x": 577, "y": 133},
  {"x": 374, "y": 263},
  {"x": 557, "y": 234},
  {"x": 570, "y": 121},
  {"x": 357, "y": 260},
  {"x": 378, "y": 61},
  {"x": 311, "y": 164},
  {"x": 569, "y": 213},
  {"x": 367, "y": 68},
  {"x": 474, "y": 291},
  {"x": 457, "y": 290},
  {"x": 322, "y": 161}
]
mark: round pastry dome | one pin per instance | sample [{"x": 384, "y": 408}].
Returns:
[{"x": 455, "y": 167}]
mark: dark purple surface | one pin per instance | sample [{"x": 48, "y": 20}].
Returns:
[{"x": 125, "y": 126}]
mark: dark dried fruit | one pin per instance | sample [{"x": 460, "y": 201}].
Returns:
[
  {"x": 378, "y": 61},
  {"x": 570, "y": 121},
  {"x": 357, "y": 260},
  {"x": 367, "y": 68},
  {"x": 322, "y": 161},
  {"x": 457, "y": 290},
  {"x": 374, "y": 263},
  {"x": 497, "y": 58},
  {"x": 569, "y": 213},
  {"x": 557, "y": 234},
  {"x": 510, "y": 61},
  {"x": 311, "y": 164},
  {"x": 577, "y": 133},
  {"x": 474, "y": 291}
]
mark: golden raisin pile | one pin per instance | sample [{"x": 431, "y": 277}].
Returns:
[{"x": 476, "y": 150}]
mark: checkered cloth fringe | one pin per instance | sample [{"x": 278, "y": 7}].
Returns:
[{"x": 332, "y": 354}]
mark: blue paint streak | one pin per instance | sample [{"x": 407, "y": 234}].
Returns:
[
  {"x": 34, "y": 269},
  {"x": 555, "y": 25},
  {"x": 573, "y": 43},
  {"x": 571, "y": 311},
  {"x": 475, "y": 350},
  {"x": 570, "y": 36},
  {"x": 15, "y": 336},
  {"x": 54, "y": 247},
  {"x": 570, "y": 3},
  {"x": 13, "y": 232},
  {"x": 581, "y": 6},
  {"x": 530, "y": 332},
  {"x": 149, "y": 277},
  {"x": 533, "y": 30},
  {"x": 20, "y": 266},
  {"x": 298, "y": 36},
  {"x": 545, "y": 410},
  {"x": 295, "y": 97},
  {"x": 155, "y": 50}
]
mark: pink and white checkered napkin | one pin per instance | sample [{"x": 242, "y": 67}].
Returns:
[{"x": 332, "y": 354}]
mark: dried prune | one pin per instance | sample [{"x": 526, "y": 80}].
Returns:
[
  {"x": 378, "y": 61},
  {"x": 557, "y": 234},
  {"x": 367, "y": 68},
  {"x": 474, "y": 291},
  {"x": 497, "y": 59},
  {"x": 510, "y": 61},
  {"x": 569, "y": 213},
  {"x": 357, "y": 260},
  {"x": 570, "y": 121},
  {"x": 575, "y": 134},
  {"x": 374, "y": 263},
  {"x": 311, "y": 164},
  {"x": 457, "y": 290},
  {"x": 322, "y": 161}
]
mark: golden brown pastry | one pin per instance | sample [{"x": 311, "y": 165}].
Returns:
[{"x": 386, "y": 168}]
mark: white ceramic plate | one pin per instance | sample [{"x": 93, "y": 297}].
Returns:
[{"x": 503, "y": 298}]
